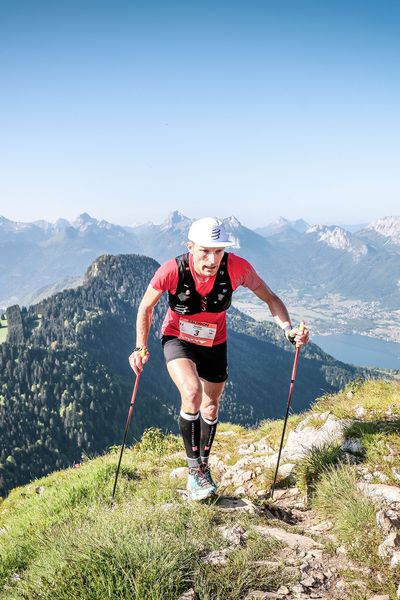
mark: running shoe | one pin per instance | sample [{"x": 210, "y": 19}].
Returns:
[
  {"x": 207, "y": 474},
  {"x": 198, "y": 485}
]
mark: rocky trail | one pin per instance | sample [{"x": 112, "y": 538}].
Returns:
[{"x": 311, "y": 561}]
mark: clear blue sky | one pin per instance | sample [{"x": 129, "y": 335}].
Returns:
[{"x": 128, "y": 110}]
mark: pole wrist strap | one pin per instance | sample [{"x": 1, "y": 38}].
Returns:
[
  {"x": 143, "y": 350},
  {"x": 286, "y": 332}
]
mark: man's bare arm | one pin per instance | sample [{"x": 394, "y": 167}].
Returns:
[
  {"x": 280, "y": 313},
  {"x": 276, "y": 306},
  {"x": 143, "y": 324},
  {"x": 145, "y": 314}
]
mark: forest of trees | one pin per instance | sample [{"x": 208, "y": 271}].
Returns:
[{"x": 65, "y": 381}]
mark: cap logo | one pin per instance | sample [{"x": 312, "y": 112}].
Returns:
[{"x": 215, "y": 233}]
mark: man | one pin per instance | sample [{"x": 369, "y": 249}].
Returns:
[{"x": 200, "y": 284}]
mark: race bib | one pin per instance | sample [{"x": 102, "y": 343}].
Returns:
[{"x": 197, "y": 332}]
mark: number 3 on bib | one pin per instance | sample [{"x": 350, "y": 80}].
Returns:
[{"x": 197, "y": 332}]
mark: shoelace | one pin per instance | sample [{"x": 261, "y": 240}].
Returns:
[
  {"x": 200, "y": 477},
  {"x": 207, "y": 475}
]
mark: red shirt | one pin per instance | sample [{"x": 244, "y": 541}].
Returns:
[{"x": 166, "y": 279}]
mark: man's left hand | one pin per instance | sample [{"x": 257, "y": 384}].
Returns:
[{"x": 301, "y": 336}]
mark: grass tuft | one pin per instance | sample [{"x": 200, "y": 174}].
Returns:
[
  {"x": 156, "y": 443},
  {"x": 338, "y": 499},
  {"x": 314, "y": 465}
]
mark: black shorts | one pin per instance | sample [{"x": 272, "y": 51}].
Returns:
[{"x": 211, "y": 362}]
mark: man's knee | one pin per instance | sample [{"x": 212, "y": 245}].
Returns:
[
  {"x": 191, "y": 395},
  {"x": 210, "y": 412}
]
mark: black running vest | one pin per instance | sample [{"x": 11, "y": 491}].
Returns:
[{"x": 187, "y": 301}]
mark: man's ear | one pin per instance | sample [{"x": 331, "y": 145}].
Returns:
[{"x": 189, "y": 246}]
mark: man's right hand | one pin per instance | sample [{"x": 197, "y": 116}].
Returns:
[
  {"x": 300, "y": 336},
  {"x": 138, "y": 359}
]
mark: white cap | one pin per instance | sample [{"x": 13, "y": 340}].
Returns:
[{"x": 209, "y": 233}]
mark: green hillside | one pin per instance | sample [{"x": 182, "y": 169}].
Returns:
[
  {"x": 61, "y": 538},
  {"x": 65, "y": 381}
]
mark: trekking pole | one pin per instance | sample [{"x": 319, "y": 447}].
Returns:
[
  {"x": 292, "y": 380},
  {"x": 128, "y": 420}
]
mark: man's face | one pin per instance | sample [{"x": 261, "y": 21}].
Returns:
[{"x": 205, "y": 260}]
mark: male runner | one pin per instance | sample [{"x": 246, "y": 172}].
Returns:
[{"x": 200, "y": 284}]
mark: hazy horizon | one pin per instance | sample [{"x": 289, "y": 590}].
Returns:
[{"x": 192, "y": 215}]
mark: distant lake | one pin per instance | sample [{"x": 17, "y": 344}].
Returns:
[{"x": 360, "y": 350}]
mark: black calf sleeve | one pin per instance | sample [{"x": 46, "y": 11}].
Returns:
[
  {"x": 207, "y": 433},
  {"x": 189, "y": 424}
]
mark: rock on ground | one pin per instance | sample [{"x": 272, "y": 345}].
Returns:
[
  {"x": 189, "y": 595},
  {"x": 303, "y": 438},
  {"x": 260, "y": 595},
  {"x": 391, "y": 493},
  {"x": 218, "y": 557},
  {"x": 178, "y": 473},
  {"x": 294, "y": 540},
  {"x": 235, "y": 504},
  {"x": 233, "y": 535}
]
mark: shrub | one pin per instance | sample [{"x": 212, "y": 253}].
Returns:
[{"x": 155, "y": 442}]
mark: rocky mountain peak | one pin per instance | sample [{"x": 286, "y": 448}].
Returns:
[
  {"x": 281, "y": 225},
  {"x": 338, "y": 238},
  {"x": 281, "y": 221},
  {"x": 62, "y": 224},
  {"x": 233, "y": 222},
  {"x": 389, "y": 227},
  {"x": 84, "y": 221},
  {"x": 175, "y": 218},
  {"x": 45, "y": 225},
  {"x": 299, "y": 225},
  {"x": 14, "y": 226}
]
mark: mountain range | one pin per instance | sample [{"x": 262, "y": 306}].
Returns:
[{"x": 39, "y": 258}]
